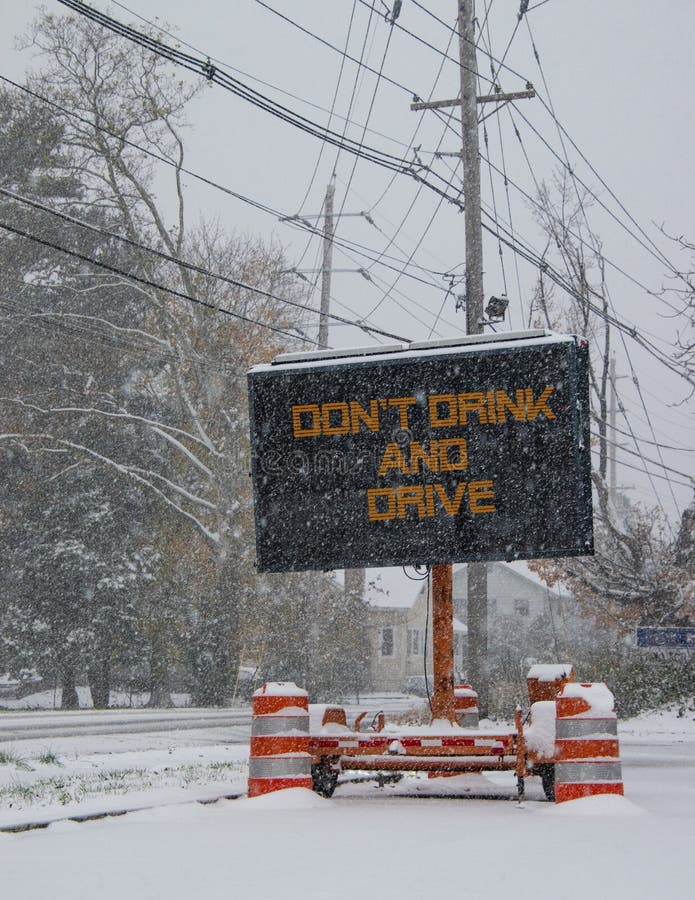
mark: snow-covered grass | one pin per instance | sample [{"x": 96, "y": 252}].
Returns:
[{"x": 41, "y": 785}]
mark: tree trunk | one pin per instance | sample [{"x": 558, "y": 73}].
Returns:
[
  {"x": 69, "y": 698},
  {"x": 216, "y": 660},
  {"x": 99, "y": 677},
  {"x": 160, "y": 689}
]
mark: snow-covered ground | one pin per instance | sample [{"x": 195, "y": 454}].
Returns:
[{"x": 370, "y": 842}]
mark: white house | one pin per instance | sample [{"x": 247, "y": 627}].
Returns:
[{"x": 399, "y": 619}]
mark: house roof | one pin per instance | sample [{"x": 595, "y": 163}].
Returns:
[{"x": 392, "y": 588}]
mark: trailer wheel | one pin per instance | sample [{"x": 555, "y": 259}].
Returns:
[
  {"x": 324, "y": 778},
  {"x": 547, "y": 775}
]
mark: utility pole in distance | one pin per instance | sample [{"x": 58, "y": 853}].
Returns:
[
  {"x": 327, "y": 264},
  {"x": 354, "y": 579},
  {"x": 442, "y": 601}
]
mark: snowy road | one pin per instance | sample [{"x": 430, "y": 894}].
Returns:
[
  {"x": 393, "y": 842},
  {"x": 56, "y": 724},
  {"x": 379, "y": 845},
  {"x": 229, "y": 724}
]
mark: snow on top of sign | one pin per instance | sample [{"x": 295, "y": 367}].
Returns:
[
  {"x": 366, "y": 354},
  {"x": 601, "y": 701},
  {"x": 549, "y": 671}
]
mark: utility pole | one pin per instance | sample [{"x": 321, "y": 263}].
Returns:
[
  {"x": 442, "y": 575},
  {"x": 612, "y": 480},
  {"x": 442, "y": 602},
  {"x": 327, "y": 263},
  {"x": 476, "y": 572},
  {"x": 354, "y": 579}
]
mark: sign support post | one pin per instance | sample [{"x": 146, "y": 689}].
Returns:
[{"x": 443, "y": 642}]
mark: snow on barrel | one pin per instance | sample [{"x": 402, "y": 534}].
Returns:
[
  {"x": 466, "y": 705},
  {"x": 279, "y": 756}
]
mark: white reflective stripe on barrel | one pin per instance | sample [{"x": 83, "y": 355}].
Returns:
[
  {"x": 277, "y": 726},
  {"x": 579, "y": 728},
  {"x": 280, "y": 766},
  {"x": 583, "y": 771}
]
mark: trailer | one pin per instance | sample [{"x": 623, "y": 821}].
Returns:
[{"x": 442, "y": 748}]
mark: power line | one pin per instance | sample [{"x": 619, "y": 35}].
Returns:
[
  {"x": 149, "y": 283},
  {"x": 192, "y": 267},
  {"x": 76, "y": 325},
  {"x": 212, "y": 73},
  {"x": 301, "y": 223},
  {"x": 369, "y": 111},
  {"x": 296, "y": 221},
  {"x": 486, "y": 25},
  {"x": 488, "y": 53},
  {"x": 646, "y": 459},
  {"x": 333, "y": 103},
  {"x": 328, "y": 44},
  {"x": 205, "y": 69},
  {"x": 649, "y": 246},
  {"x": 224, "y": 64},
  {"x": 644, "y": 440},
  {"x": 651, "y": 475}
]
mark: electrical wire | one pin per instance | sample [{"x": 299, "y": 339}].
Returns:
[
  {"x": 298, "y": 222},
  {"x": 520, "y": 293},
  {"x": 192, "y": 267},
  {"x": 645, "y": 459},
  {"x": 368, "y": 116},
  {"x": 501, "y": 64},
  {"x": 661, "y": 257},
  {"x": 206, "y": 70},
  {"x": 149, "y": 283},
  {"x": 211, "y": 73},
  {"x": 333, "y": 103}
]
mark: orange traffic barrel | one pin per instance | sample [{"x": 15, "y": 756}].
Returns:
[
  {"x": 279, "y": 756},
  {"x": 466, "y": 705},
  {"x": 587, "y": 753},
  {"x": 544, "y": 681}
]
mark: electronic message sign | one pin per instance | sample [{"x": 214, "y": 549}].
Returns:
[{"x": 423, "y": 454}]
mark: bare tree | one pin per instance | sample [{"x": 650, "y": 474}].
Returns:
[
  {"x": 172, "y": 421},
  {"x": 560, "y": 211}
]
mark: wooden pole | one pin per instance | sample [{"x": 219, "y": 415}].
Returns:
[
  {"x": 477, "y": 667},
  {"x": 443, "y": 643},
  {"x": 327, "y": 263}
]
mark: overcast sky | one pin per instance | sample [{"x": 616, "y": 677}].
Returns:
[{"x": 619, "y": 76}]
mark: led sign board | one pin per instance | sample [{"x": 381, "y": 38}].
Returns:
[{"x": 477, "y": 451}]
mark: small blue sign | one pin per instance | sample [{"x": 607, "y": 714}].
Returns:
[{"x": 669, "y": 637}]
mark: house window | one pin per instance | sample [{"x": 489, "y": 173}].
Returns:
[
  {"x": 387, "y": 641},
  {"x": 521, "y": 607},
  {"x": 413, "y": 642}
]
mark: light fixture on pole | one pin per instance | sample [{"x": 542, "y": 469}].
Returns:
[{"x": 496, "y": 309}]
